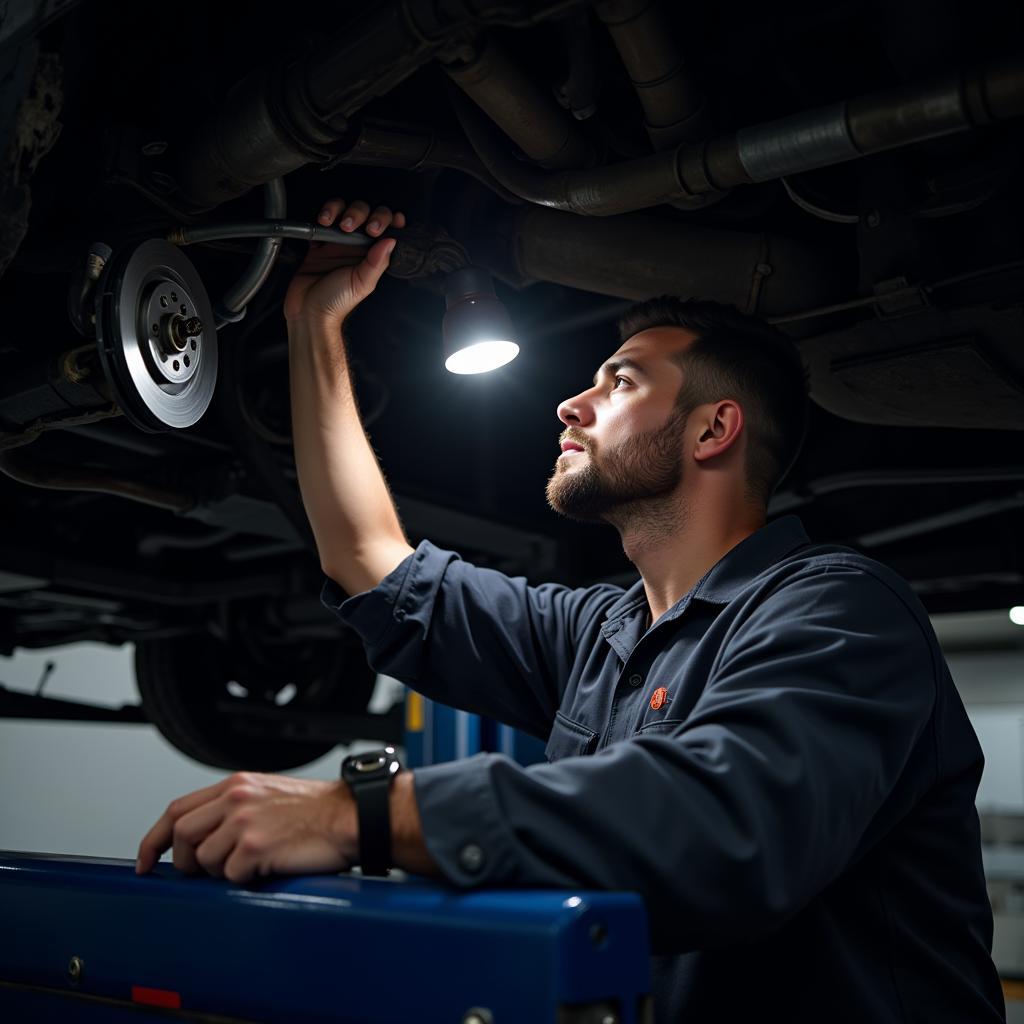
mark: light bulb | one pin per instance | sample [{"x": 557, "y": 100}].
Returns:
[
  {"x": 481, "y": 356},
  {"x": 477, "y": 329}
]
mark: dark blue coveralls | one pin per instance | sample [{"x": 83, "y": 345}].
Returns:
[{"x": 796, "y": 808}]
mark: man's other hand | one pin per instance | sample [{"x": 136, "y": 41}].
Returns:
[
  {"x": 251, "y": 825},
  {"x": 334, "y": 279}
]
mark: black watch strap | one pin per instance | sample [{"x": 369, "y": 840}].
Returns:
[
  {"x": 373, "y": 805},
  {"x": 369, "y": 775}
]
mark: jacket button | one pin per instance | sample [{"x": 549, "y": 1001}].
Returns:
[
  {"x": 471, "y": 858},
  {"x": 636, "y": 679}
]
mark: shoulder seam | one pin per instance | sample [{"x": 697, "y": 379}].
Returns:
[
  {"x": 865, "y": 565},
  {"x": 936, "y": 749}
]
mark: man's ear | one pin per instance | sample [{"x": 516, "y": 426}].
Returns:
[{"x": 720, "y": 426}]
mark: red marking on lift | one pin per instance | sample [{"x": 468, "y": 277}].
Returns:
[
  {"x": 156, "y": 997},
  {"x": 658, "y": 698}
]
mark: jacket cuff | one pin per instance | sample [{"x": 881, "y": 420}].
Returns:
[{"x": 462, "y": 825}]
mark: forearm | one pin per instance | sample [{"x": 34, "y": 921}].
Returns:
[{"x": 354, "y": 520}]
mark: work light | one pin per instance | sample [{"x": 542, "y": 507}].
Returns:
[{"x": 477, "y": 328}]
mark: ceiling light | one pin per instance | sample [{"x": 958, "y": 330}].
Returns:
[
  {"x": 477, "y": 329},
  {"x": 1017, "y": 615}
]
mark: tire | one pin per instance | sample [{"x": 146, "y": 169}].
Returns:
[{"x": 184, "y": 684}]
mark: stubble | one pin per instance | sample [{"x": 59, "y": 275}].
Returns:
[{"x": 631, "y": 486}]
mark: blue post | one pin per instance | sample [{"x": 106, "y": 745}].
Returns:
[{"x": 435, "y": 733}]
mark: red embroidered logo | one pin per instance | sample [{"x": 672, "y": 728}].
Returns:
[{"x": 658, "y": 698}]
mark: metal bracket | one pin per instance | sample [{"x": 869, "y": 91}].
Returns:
[
  {"x": 898, "y": 297},
  {"x": 14, "y": 704}
]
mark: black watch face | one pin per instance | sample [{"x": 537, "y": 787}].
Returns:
[
  {"x": 363, "y": 764},
  {"x": 371, "y": 763}
]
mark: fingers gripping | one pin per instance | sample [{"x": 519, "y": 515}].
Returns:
[
  {"x": 333, "y": 279},
  {"x": 331, "y": 209},
  {"x": 352, "y": 216}
]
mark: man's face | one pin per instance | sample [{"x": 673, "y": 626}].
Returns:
[{"x": 623, "y": 437}]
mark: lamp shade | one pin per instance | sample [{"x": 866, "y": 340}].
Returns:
[{"x": 478, "y": 333}]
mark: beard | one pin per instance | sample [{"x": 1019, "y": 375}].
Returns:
[{"x": 633, "y": 480}]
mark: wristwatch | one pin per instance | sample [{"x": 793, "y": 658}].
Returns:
[{"x": 369, "y": 775}]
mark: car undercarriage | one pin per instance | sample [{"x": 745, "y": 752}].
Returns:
[{"x": 849, "y": 172}]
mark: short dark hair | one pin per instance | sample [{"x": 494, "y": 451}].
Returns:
[{"x": 740, "y": 357}]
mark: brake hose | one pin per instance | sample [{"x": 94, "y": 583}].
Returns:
[{"x": 271, "y": 231}]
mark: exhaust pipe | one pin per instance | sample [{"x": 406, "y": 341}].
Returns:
[
  {"x": 636, "y": 256},
  {"x": 790, "y": 145},
  {"x": 279, "y": 120}
]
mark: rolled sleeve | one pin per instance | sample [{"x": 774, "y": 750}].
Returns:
[{"x": 406, "y": 594}]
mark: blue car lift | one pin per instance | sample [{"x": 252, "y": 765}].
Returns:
[
  {"x": 86, "y": 940},
  {"x": 436, "y": 733}
]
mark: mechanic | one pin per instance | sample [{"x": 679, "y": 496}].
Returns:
[{"x": 761, "y": 736}]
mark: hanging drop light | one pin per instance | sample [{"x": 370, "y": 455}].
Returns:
[{"x": 477, "y": 329}]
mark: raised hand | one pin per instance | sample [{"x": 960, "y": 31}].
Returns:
[{"x": 334, "y": 279}]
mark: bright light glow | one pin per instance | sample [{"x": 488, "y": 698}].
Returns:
[
  {"x": 481, "y": 357},
  {"x": 1017, "y": 615}
]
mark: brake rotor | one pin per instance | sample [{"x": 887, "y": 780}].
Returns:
[{"x": 156, "y": 336}]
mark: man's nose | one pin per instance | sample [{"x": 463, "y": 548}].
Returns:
[{"x": 577, "y": 411}]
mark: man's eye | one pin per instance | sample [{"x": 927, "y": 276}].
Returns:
[{"x": 616, "y": 385}]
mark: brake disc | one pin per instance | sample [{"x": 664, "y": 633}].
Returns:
[{"x": 156, "y": 336}]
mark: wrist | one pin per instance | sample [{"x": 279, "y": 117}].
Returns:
[
  {"x": 408, "y": 847},
  {"x": 311, "y": 326},
  {"x": 344, "y": 827}
]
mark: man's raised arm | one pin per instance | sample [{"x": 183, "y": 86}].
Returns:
[{"x": 354, "y": 520}]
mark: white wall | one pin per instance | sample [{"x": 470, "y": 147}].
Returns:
[
  {"x": 92, "y": 789},
  {"x": 991, "y": 685}
]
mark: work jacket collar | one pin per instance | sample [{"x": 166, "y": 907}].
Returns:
[{"x": 724, "y": 580}]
